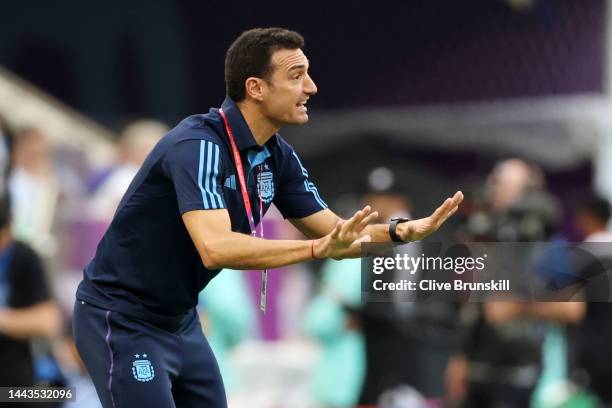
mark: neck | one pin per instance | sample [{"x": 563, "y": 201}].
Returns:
[
  {"x": 261, "y": 127},
  {"x": 597, "y": 229}
]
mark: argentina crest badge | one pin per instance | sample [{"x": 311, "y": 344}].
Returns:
[
  {"x": 142, "y": 369},
  {"x": 265, "y": 186}
]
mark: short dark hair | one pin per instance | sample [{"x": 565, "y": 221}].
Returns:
[
  {"x": 597, "y": 206},
  {"x": 250, "y": 56}
]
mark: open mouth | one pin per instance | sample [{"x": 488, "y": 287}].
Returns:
[{"x": 302, "y": 106}]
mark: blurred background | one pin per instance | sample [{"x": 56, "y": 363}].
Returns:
[{"x": 507, "y": 100}]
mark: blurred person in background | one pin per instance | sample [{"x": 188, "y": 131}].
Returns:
[
  {"x": 136, "y": 142},
  {"x": 27, "y": 311},
  {"x": 513, "y": 206},
  {"x": 593, "y": 217},
  {"x": 592, "y": 220},
  {"x": 406, "y": 342},
  {"x": 89, "y": 201},
  {"x": 498, "y": 361},
  {"x": 332, "y": 316},
  {"x": 331, "y": 320},
  {"x": 34, "y": 190},
  {"x": 228, "y": 317}
]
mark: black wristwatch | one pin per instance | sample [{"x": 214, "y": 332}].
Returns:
[{"x": 393, "y": 228}]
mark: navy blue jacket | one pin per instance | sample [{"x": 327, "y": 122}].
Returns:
[{"x": 146, "y": 265}]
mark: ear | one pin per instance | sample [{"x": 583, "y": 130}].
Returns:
[{"x": 254, "y": 88}]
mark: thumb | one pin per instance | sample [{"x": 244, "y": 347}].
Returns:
[
  {"x": 361, "y": 240},
  {"x": 365, "y": 238}
]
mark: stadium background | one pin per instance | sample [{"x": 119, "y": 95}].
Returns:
[{"x": 437, "y": 91}]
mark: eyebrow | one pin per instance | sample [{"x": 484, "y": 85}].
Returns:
[{"x": 301, "y": 66}]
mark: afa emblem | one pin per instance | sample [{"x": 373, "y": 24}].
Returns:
[
  {"x": 142, "y": 369},
  {"x": 265, "y": 186}
]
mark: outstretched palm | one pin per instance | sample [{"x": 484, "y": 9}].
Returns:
[{"x": 415, "y": 230}]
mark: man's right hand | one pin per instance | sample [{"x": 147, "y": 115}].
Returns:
[{"x": 345, "y": 239}]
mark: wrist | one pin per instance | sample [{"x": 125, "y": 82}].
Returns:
[
  {"x": 315, "y": 248},
  {"x": 397, "y": 230},
  {"x": 401, "y": 231}
]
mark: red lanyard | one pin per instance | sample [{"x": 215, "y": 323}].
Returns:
[{"x": 247, "y": 203}]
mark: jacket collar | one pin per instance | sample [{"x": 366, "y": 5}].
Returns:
[{"x": 242, "y": 134}]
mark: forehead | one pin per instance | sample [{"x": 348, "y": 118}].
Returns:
[{"x": 288, "y": 59}]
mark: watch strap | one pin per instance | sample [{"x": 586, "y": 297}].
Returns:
[{"x": 393, "y": 229}]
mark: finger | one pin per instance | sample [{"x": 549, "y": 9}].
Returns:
[
  {"x": 367, "y": 221},
  {"x": 348, "y": 223},
  {"x": 442, "y": 210},
  {"x": 458, "y": 198},
  {"x": 336, "y": 230},
  {"x": 356, "y": 218},
  {"x": 446, "y": 207},
  {"x": 454, "y": 210},
  {"x": 364, "y": 239}
]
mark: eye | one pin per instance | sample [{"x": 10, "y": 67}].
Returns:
[{"x": 298, "y": 76}]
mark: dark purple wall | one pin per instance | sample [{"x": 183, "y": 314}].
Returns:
[
  {"x": 438, "y": 50},
  {"x": 165, "y": 59}
]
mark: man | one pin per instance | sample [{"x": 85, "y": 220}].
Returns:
[
  {"x": 188, "y": 213},
  {"x": 34, "y": 190},
  {"x": 482, "y": 372},
  {"x": 26, "y": 309},
  {"x": 592, "y": 220}
]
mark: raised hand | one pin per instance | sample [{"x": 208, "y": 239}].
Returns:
[
  {"x": 415, "y": 230},
  {"x": 345, "y": 239}
]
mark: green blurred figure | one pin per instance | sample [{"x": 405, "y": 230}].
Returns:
[
  {"x": 339, "y": 375},
  {"x": 229, "y": 319}
]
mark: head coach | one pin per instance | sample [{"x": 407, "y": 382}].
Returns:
[{"x": 193, "y": 209}]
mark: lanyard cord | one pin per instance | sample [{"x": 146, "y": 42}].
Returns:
[{"x": 247, "y": 203}]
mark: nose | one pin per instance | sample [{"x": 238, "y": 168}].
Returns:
[{"x": 310, "y": 88}]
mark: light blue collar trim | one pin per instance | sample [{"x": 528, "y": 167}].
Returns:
[{"x": 257, "y": 157}]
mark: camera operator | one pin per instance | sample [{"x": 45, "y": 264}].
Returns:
[{"x": 499, "y": 352}]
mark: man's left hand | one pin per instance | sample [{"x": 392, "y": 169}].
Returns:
[{"x": 415, "y": 230}]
